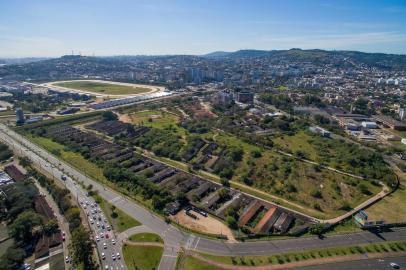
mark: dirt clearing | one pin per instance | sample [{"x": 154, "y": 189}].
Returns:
[{"x": 203, "y": 224}]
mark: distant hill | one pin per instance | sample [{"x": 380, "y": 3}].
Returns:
[
  {"x": 218, "y": 54},
  {"x": 12, "y": 61},
  {"x": 382, "y": 60}
]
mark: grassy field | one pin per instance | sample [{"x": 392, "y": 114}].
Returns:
[
  {"x": 296, "y": 181},
  {"x": 118, "y": 219},
  {"x": 103, "y": 88},
  {"x": 392, "y": 207},
  {"x": 157, "y": 119},
  {"x": 192, "y": 263},
  {"x": 146, "y": 237},
  {"x": 145, "y": 258},
  {"x": 75, "y": 159}
]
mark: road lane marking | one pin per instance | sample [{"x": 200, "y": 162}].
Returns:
[{"x": 197, "y": 242}]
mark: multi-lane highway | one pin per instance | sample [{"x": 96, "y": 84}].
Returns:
[
  {"x": 173, "y": 237},
  {"x": 108, "y": 250},
  {"x": 366, "y": 264}
]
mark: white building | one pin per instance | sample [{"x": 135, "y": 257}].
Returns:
[
  {"x": 402, "y": 113},
  {"x": 369, "y": 125}
]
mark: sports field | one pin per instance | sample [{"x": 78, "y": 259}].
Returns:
[{"x": 106, "y": 88}]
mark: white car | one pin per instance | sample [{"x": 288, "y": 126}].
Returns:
[
  {"x": 107, "y": 267},
  {"x": 113, "y": 241},
  {"x": 394, "y": 265},
  {"x": 101, "y": 235},
  {"x": 113, "y": 257},
  {"x": 104, "y": 245},
  {"x": 118, "y": 256},
  {"x": 103, "y": 256},
  {"x": 97, "y": 238},
  {"x": 67, "y": 259}
]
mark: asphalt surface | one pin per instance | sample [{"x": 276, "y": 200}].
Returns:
[
  {"x": 173, "y": 237},
  {"x": 367, "y": 264},
  {"x": 105, "y": 236}
]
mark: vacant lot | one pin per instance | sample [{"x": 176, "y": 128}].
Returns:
[
  {"x": 104, "y": 87},
  {"x": 203, "y": 224}
]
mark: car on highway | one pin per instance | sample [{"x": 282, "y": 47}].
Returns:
[
  {"x": 394, "y": 265},
  {"x": 113, "y": 241},
  {"x": 104, "y": 245},
  {"x": 113, "y": 257},
  {"x": 103, "y": 256},
  {"x": 118, "y": 256}
]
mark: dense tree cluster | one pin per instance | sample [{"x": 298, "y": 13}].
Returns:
[
  {"x": 163, "y": 142},
  {"x": 5, "y": 152}
]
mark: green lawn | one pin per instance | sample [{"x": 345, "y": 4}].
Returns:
[
  {"x": 157, "y": 119},
  {"x": 104, "y": 88},
  {"x": 140, "y": 257},
  {"x": 118, "y": 219},
  {"x": 392, "y": 207},
  {"x": 146, "y": 237},
  {"x": 192, "y": 263}
]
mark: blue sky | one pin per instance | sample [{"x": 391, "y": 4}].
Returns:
[{"x": 115, "y": 27}]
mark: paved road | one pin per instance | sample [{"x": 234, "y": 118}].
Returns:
[
  {"x": 367, "y": 264},
  {"x": 174, "y": 238},
  {"x": 105, "y": 236}
]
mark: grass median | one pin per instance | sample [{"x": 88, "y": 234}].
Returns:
[{"x": 142, "y": 257}]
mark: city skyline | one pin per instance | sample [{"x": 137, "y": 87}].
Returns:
[{"x": 54, "y": 28}]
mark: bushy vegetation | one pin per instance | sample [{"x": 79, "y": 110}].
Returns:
[
  {"x": 23, "y": 223},
  {"x": 5, "y": 152},
  {"x": 162, "y": 142}
]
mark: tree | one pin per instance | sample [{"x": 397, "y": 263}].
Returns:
[
  {"x": 109, "y": 116},
  {"x": 50, "y": 227},
  {"x": 225, "y": 182},
  {"x": 316, "y": 229},
  {"x": 22, "y": 227},
  {"x": 181, "y": 198},
  {"x": 12, "y": 259},
  {"x": 82, "y": 248},
  {"x": 232, "y": 223}
]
